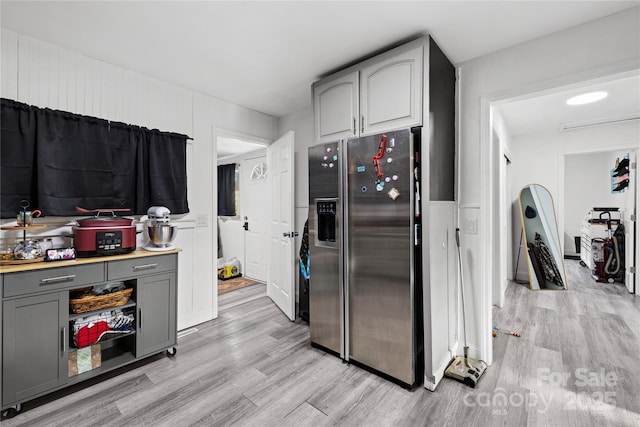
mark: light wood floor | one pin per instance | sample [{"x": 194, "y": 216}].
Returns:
[{"x": 253, "y": 367}]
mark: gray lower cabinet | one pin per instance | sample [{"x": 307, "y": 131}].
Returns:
[
  {"x": 37, "y": 324},
  {"x": 34, "y": 354},
  {"x": 156, "y": 314}
]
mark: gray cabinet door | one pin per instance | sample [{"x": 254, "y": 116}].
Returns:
[
  {"x": 156, "y": 313},
  {"x": 35, "y": 341}
]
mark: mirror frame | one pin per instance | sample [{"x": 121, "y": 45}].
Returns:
[{"x": 543, "y": 227}]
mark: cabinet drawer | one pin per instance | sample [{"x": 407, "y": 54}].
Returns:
[
  {"x": 140, "y": 266},
  {"x": 52, "y": 279}
]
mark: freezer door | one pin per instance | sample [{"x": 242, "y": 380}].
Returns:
[
  {"x": 380, "y": 244},
  {"x": 325, "y": 249}
]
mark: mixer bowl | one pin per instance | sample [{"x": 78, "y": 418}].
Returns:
[{"x": 161, "y": 234}]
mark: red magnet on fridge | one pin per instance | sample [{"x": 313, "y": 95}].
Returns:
[{"x": 382, "y": 146}]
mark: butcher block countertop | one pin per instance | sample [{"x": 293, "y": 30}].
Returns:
[{"x": 138, "y": 253}]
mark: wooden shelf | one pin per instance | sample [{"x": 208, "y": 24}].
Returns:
[
  {"x": 140, "y": 253},
  {"x": 22, "y": 227},
  {"x": 106, "y": 338},
  {"x": 21, "y": 261},
  {"x": 112, "y": 358},
  {"x": 73, "y": 316}
]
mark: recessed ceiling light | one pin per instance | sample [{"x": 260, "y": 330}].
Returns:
[{"x": 587, "y": 98}]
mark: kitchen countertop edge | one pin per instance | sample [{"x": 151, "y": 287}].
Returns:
[{"x": 138, "y": 253}]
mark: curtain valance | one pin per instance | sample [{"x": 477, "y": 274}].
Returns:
[{"x": 59, "y": 160}]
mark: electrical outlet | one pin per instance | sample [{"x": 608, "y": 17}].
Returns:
[{"x": 202, "y": 221}]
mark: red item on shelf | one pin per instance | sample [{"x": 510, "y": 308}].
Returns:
[{"x": 91, "y": 333}]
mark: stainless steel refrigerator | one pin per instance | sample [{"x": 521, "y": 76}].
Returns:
[{"x": 364, "y": 235}]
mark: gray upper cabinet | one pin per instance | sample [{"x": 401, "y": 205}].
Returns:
[
  {"x": 34, "y": 353},
  {"x": 335, "y": 107},
  {"x": 391, "y": 92},
  {"x": 379, "y": 94}
]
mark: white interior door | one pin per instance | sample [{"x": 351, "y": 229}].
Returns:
[
  {"x": 281, "y": 270},
  {"x": 254, "y": 199}
]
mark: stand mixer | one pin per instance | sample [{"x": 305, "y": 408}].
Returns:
[{"x": 159, "y": 229}]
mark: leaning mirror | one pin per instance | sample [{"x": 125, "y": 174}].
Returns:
[{"x": 540, "y": 237}]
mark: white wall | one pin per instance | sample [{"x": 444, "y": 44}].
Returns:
[
  {"x": 232, "y": 239},
  {"x": 41, "y": 74},
  {"x": 589, "y": 51}
]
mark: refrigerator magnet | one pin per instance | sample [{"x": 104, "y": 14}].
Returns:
[{"x": 393, "y": 193}]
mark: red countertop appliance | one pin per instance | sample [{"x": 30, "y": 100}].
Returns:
[{"x": 104, "y": 235}]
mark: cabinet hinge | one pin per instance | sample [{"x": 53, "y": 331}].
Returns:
[
  {"x": 633, "y": 165},
  {"x": 632, "y": 217},
  {"x": 632, "y": 270}
]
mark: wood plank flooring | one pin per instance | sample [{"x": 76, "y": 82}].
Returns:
[{"x": 576, "y": 364}]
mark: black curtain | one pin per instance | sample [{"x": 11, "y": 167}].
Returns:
[
  {"x": 128, "y": 173},
  {"x": 59, "y": 160},
  {"x": 74, "y": 163},
  {"x": 166, "y": 154},
  {"x": 226, "y": 190},
  {"x": 17, "y": 157}
]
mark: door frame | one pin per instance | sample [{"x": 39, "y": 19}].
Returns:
[
  {"x": 489, "y": 190},
  {"x": 215, "y": 133}
]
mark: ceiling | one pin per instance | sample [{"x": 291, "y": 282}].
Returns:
[
  {"x": 548, "y": 113},
  {"x": 265, "y": 55},
  {"x": 228, "y": 147}
]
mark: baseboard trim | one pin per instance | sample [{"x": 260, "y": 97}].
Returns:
[
  {"x": 194, "y": 319},
  {"x": 431, "y": 382},
  {"x": 429, "y": 385}
]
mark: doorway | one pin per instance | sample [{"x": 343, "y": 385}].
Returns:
[
  {"x": 242, "y": 229},
  {"x": 280, "y": 172},
  {"x": 540, "y": 132}
]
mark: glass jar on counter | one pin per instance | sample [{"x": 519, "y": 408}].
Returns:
[
  {"x": 6, "y": 253},
  {"x": 28, "y": 249}
]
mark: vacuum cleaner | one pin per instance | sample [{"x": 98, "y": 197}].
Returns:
[
  {"x": 607, "y": 259},
  {"x": 463, "y": 368}
]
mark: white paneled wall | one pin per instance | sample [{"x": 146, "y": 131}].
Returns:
[
  {"x": 45, "y": 75},
  {"x": 52, "y": 77},
  {"x": 9, "y": 65}
]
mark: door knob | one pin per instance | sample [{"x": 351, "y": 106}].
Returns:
[{"x": 286, "y": 234}]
